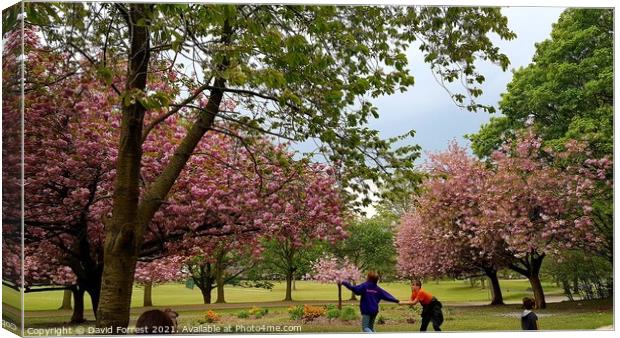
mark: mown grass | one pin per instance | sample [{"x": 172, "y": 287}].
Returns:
[
  {"x": 578, "y": 315},
  {"x": 177, "y": 294},
  {"x": 457, "y": 297}
]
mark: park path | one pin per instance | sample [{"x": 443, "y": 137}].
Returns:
[
  {"x": 200, "y": 307},
  {"x": 606, "y": 328}
]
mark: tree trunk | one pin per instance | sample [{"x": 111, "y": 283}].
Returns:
[
  {"x": 531, "y": 270},
  {"x": 148, "y": 299},
  {"x": 66, "y": 300},
  {"x": 339, "y": 297},
  {"x": 124, "y": 233},
  {"x": 220, "y": 287},
  {"x": 116, "y": 291},
  {"x": 78, "y": 306},
  {"x": 539, "y": 294},
  {"x": 482, "y": 286},
  {"x": 289, "y": 286},
  {"x": 206, "y": 294},
  {"x": 94, "y": 293},
  {"x": 496, "y": 291}
]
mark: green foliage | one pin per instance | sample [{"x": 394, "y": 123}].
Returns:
[
  {"x": 333, "y": 314},
  {"x": 567, "y": 90},
  {"x": 380, "y": 320},
  {"x": 581, "y": 274},
  {"x": 296, "y": 312},
  {"x": 258, "y": 312},
  {"x": 275, "y": 265},
  {"x": 243, "y": 314},
  {"x": 348, "y": 313},
  {"x": 300, "y": 72},
  {"x": 370, "y": 245}
]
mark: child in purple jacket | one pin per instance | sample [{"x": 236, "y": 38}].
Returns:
[{"x": 371, "y": 294}]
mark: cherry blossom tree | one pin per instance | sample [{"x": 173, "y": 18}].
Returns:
[
  {"x": 435, "y": 238},
  {"x": 163, "y": 270},
  {"x": 330, "y": 269},
  {"x": 511, "y": 212},
  {"x": 537, "y": 208},
  {"x": 69, "y": 173},
  {"x": 310, "y": 211}
]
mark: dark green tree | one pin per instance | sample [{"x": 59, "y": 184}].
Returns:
[
  {"x": 565, "y": 93},
  {"x": 370, "y": 245},
  {"x": 567, "y": 90}
]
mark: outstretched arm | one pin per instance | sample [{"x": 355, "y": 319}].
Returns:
[
  {"x": 387, "y": 297},
  {"x": 357, "y": 289},
  {"x": 409, "y": 302}
]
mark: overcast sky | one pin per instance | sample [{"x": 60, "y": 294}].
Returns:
[{"x": 427, "y": 107}]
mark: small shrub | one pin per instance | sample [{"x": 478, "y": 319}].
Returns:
[
  {"x": 296, "y": 312},
  {"x": 211, "y": 317},
  {"x": 258, "y": 312},
  {"x": 330, "y": 306},
  {"x": 333, "y": 313},
  {"x": 243, "y": 314},
  {"x": 312, "y": 312},
  {"x": 348, "y": 313},
  {"x": 380, "y": 319}
]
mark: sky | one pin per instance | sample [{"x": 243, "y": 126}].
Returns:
[{"x": 427, "y": 107}]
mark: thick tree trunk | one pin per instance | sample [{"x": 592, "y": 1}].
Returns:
[
  {"x": 496, "y": 291},
  {"x": 339, "y": 297},
  {"x": 94, "y": 291},
  {"x": 289, "y": 287},
  {"x": 78, "y": 306},
  {"x": 66, "y": 300},
  {"x": 116, "y": 292},
  {"x": 123, "y": 235},
  {"x": 531, "y": 270},
  {"x": 205, "y": 282},
  {"x": 220, "y": 288},
  {"x": 206, "y": 294},
  {"x": 539, "y": 294},
  {"x": 219, "y": 276},
  {"x": 148, "y": 292}
]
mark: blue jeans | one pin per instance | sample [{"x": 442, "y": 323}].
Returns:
[{"x": 368, "y": 323}]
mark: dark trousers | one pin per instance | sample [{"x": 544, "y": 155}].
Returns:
[
  {"x": 432, "y": 313},
  {"x": 426, "y": 320}
]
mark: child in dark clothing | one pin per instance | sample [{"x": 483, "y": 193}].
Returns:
[
  {"x": 529, "y": 320},
  {"x": 369, "y": 302}
]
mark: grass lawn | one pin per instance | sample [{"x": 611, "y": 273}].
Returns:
[
  {"x": 577, "y": 315},
  {"x": 177, "y": 294},
  {"x": 458, "y": 297}
]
